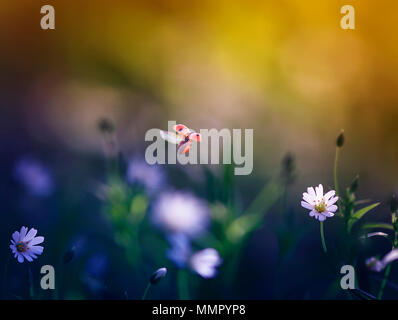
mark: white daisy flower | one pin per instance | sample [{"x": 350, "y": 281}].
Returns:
[
  {"x": 321, "y": 205},
  {"x": 25, "y": 244}
]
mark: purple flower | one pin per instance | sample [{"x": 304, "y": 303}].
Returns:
[
  {"x": 25, "y": 244},
  {"x": 378, "y": 265},
  {"x": 34, "y": 176}
]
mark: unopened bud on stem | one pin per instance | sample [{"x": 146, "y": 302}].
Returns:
[
  {"x": 354, "y": 184},
  {"x": 340, "y": 139},
  {"x": 158, "y": 275}
]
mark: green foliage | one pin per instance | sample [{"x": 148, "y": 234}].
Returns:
[
  {"x": 253, "y": 217},
  {"x": 357, "y": 215},
  {"x": 368, "y": 226}
]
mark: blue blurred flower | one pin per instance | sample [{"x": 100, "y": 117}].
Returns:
[
  {"x": 97, "y": 265},
  {"x": 203, "y": 262},
  {"x": 181, "y": 213},
  {"x": 180, "y": 250},
  {"x": 35, "y": 177},
  {"x": 151, "y": 177}
]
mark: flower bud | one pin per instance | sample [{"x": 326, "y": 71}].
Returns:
[
  {"x": 340, "y": 139},
  {"x": 158, "y": 275},
  {"x": 106, "y": 125},
  {"x": 288, "y": 167},
  {"x": 354, "y": 184}
]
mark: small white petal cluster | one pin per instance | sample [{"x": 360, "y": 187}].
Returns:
[
  {"x": 24, "y": 244},
  {"x": 321, "y": 205},
  {"x": 181, "y": 213}
]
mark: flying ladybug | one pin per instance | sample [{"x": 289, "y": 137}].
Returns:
[{"x": 183, "y": 137}]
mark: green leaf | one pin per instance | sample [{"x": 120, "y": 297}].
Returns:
[
  {"x": 253, "y": 217},
  {"x": 377, "y": 225},
  {"x": 359, "y": 214}
]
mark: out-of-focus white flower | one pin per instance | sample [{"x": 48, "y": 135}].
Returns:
[
  {"x": 34, "y": 176},
  {"x": 25, "y": 244},
  {"x": 377, "y": 265},
  {"x": 151, "y": 177},
  {"x": 321, "y": 206},
  {"x": 181, "y": 213},
  {"x": 205, "y": 262}
]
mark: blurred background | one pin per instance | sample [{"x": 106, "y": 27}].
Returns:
[{"x": 76, "y": 102}]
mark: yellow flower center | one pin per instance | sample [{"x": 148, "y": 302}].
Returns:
[
  {"x": 320, "y": 207},
  {"x": 22, "y": 247}
]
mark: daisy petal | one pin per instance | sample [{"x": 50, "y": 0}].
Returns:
[
  {"x": 332, "y": 201},
  {"x": 27, "y": 256},
  {"x": 31, "y": 234},
  {"x": 22, "y": 233},
  {"x": 15, "y": 236},
  {"x": 36, "y": 240},
  {"x": 311, "y": 192},
  {"x": 307, "y": 197},
  {"x": 307, "y": 205},
  {"x": 329, "y": 194},
  {"x": 37, "y": 249},
  {"x": 332, "y": 208}
]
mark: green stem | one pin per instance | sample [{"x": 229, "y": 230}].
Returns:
[
  {"x": 336, "y": 162},
  {"x": 183, "y": 291},
  {"x": 383, "y": 284},
  {"x": 323, "y": 238},
  {"x": 146, "y": 291}
]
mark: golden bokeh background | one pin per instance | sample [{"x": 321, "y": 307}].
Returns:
[{"x": 284, "y": 68}]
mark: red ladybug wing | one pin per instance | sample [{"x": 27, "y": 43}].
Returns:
[
  {"x": 181, "y": 129},
  {"x": 184, "y": 146},
  {"x": 194, "y": 136}
]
